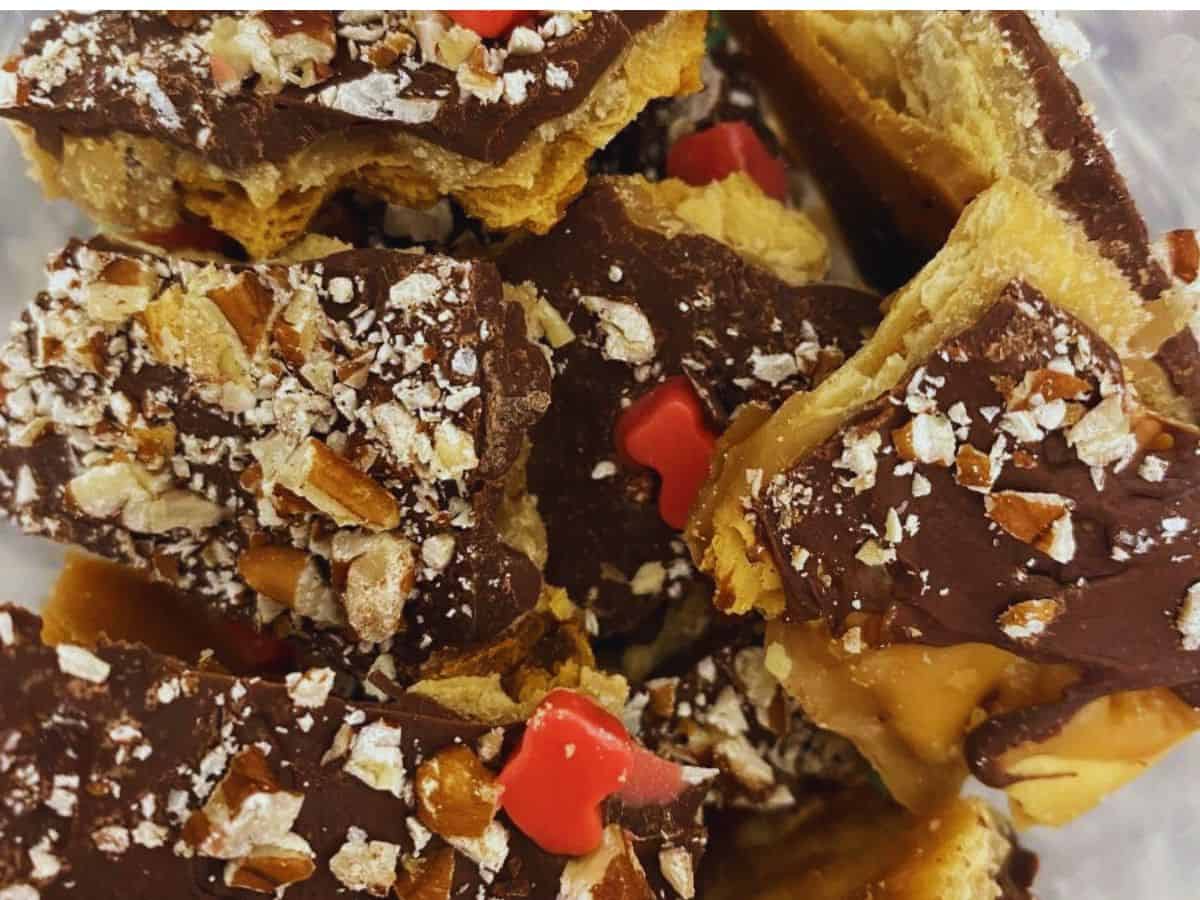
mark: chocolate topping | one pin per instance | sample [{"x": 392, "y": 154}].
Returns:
[
  {"x": 1017, "y": 875},
  {"x": 334, "y": 435},
  {"x": 1006, "y": 493},
  {"x": 896, "y": 218},
  {"x": 123, "y": 766},
  {"x": 1092, "y": 190},
  {"x": 359, "y": 74},
  {"x": 738, "y": 332}
]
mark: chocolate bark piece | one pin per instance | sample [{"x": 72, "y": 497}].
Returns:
[
  {"x": 126, "y": 765},
  {"x": 727, "y": 711},
  {"x": 1007, "y": 492},
  {"x": 891, "y": 111},
  {"x": 1008, "y": 234},
  {"x": 331, "y": 436},
  {"x": 265, "y": 114},
  {"x": 736, "y": 329}
]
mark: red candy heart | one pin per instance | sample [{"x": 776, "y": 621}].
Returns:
[
  {"x": 665, "y": 431},
  {"x": 488, "y": 23},
  {"x": 573, "y": 756},
  {"x": 725, "y": 148}
]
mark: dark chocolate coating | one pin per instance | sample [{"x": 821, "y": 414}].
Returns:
[
  {"x": 1120, "y": 591},
  {"x": 485, "y": 587},
  {"x": 1092, "y": 190},
  {"x": 249, "y": 127},
  {"x": 893, "y": 221},
  {"x": 710, "y": 310},
  {"x": 1180, "y": 357},
  {"x": 58, "y": 725}
]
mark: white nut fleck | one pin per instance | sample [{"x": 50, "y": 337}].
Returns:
[
  {"x": 677, "y": 869},
  {"x": 628, "y": 334},
  {"x": 488, "y": 851},
  {"x": 80, "y": 662},
  {"x": 368, "y": 866},
  {"x": 1188, "y": 618},
  {"x": 376, "y": 758},
  {"x": 649, "y": 579},
  {"x": 310, "y": 688}
]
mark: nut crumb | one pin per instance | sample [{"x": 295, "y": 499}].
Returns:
[
  {"x": 1188, "y": 619},
  {"x": 80, "y": 662},
  {"x": 310, "y": 688}
]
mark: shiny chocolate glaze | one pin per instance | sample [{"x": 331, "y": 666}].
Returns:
[
  {"x": 712, "y": 313},
  {"x": 905, "y": 552}
]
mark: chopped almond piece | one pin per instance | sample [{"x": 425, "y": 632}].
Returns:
[
  {"x": 1048, "y": 385},
  {"x": 270, "y": 868},
  {"x": 456, "y": 795},
  {"x": 1028, "y": 620},
  {"x": 273, "y": 571},
  {"x": 1043, "y": 520},
  {"x": 247, "y": 809},
  {"x": 123, "y": 287},
  {"x": 155, "y": 445},
  {"x": 378, "y": 583},
  {"x": 974, "y": 469},
  {"x": 430, "y": 877},
  {"x": 926, "y": 438},
  {"x": 247, "y": 304},
  {"x": 611, "y": 870}
]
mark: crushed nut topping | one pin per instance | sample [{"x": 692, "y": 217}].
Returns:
[
  {"x": 1013, "y": 461},
  {"x": 611, "y": 870},
  {"x": 1028, "y": 620},
  {"x": 1043, "y": 520},
  {"x": 247, "y": 809},
  {"x": 376, "y": 758},
  {"x": 182, "y": 74},
  {"x": 234, "y": 429},
  {"x": 82, "y": 663},
  {"x": 456, "y": 795}
]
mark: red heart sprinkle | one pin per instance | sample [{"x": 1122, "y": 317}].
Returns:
[
  {"x": 488, "y": 23},
  {"x": 665, "y": 431},
  {"x": 725, "y": 148},
  {"x": 574, "y": 755}
]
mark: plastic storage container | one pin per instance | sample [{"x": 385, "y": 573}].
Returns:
[{"x": 1143, "y": 78}]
